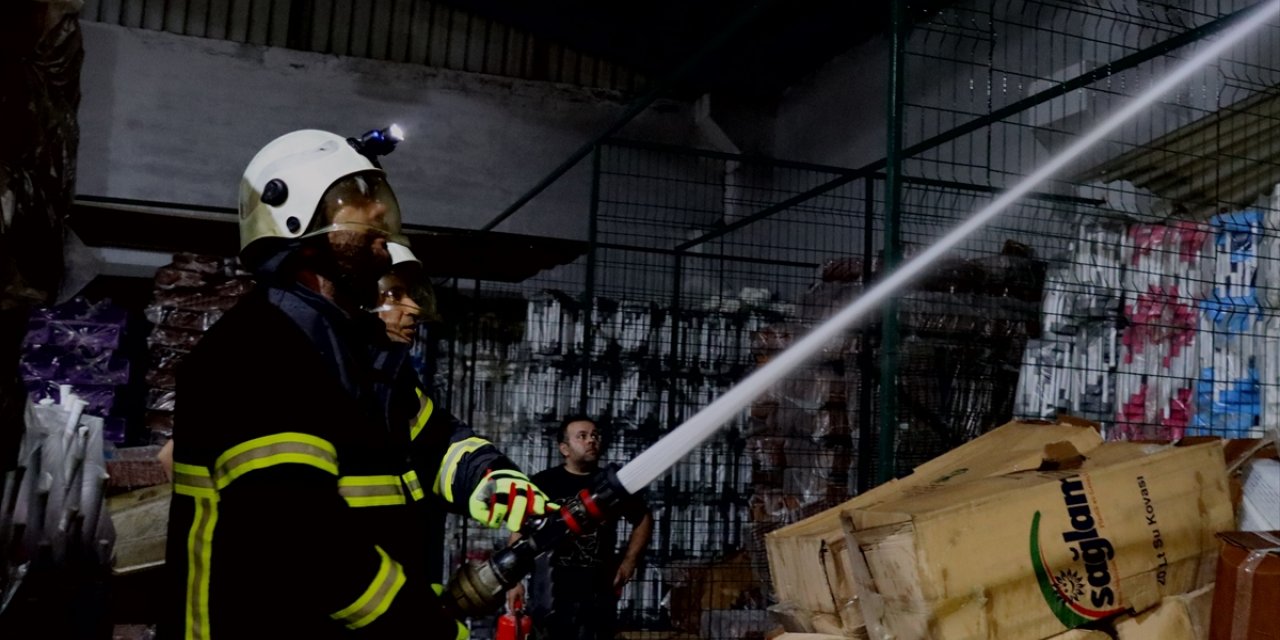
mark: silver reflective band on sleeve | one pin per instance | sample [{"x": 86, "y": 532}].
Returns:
[
  {"x": 193, "y": 480},
  {"x": 377, "y": 598},
  {"x": 426, "y": 408},
  {"x": 371, "y": 491},
  {"x": 414, "y": 485},
  {"x": 272, "y": 450},
  {"x": 449, "y": 467}
]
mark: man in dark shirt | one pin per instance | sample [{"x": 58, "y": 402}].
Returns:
[{"x": 573, "y": 592}]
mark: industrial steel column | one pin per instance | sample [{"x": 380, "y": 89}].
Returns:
[{"x": 886, "y": 468}]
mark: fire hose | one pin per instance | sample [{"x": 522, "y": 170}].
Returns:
[{"x": 478, "y": 588}]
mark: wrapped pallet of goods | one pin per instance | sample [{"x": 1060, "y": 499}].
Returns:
[{"x": 189, "y": 296}]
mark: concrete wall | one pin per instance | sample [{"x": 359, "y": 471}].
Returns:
[{"x": 174, "y": 118}]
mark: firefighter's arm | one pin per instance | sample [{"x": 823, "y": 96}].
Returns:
[
  {"x": 288, "y": 483},
  {"x": 470, "y": 474}
]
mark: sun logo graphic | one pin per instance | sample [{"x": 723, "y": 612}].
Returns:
[{"x": 1085, "y": 591}]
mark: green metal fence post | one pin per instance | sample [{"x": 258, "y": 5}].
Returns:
[{"x": 889, "y": 338}]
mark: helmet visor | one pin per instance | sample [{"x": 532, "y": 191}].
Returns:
[{"x": 359, "y": 202}]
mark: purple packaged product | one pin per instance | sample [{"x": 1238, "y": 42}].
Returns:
[
  {"x": 100, "y": 399},
  {"x": 113, "y": 428},
  {"x": 87, "y": 335},
  {"x": 97, "y": 369},
  {"x": 79, "y": 309},
  {"x": 37, "y": 332},
  {"x": 41, "y": 363}
]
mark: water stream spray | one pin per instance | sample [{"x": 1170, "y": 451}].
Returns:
[{"x": 656, "y": 460}]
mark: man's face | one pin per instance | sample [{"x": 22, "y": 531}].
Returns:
[
  {"x": 397, "y": 309},
  {"x": 581, "y": 443},
  {"x": 360, "y": 249},
  {"x": 360, "y": 213}
]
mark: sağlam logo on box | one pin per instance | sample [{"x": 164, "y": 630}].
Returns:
[{"x": 1084, "y": 591}]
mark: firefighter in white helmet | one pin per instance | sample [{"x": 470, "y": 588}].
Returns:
[
  {"x": 443, "y": 446},
  {"x": 294, "y": 495}
]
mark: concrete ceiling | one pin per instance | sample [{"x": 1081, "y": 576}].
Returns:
[{"x": 783, "y": 44}]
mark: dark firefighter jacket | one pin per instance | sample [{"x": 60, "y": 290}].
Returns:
[{"x": 300, "y": 471}]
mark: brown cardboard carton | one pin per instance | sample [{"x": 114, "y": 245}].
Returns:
[
  {"x": 1082, "y": 634},
  {"x": 808, "y": 561},
  {"x": 1027, "y": 555},
  {"x": 1181, "y": 617},
  {"x": 1248, "y": 587}
]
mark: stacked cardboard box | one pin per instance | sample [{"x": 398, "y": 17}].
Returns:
[
  {"x": 1248, "y": 587},
  {"x": 190, "y": 294},
  {"x": 1026, "y": 532}
]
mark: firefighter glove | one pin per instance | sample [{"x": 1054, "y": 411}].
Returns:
[{"x": 507, "y": 494}]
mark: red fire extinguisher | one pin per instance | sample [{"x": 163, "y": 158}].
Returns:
[{"x": 514, "y": 624}]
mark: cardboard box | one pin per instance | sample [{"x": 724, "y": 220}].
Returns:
[
  {"x": 1082, "y": 634},
  {"x": 1030, "y": 554},
  {"x": 1182, "y": 617},
  {"x": 1248, "y": 587},
  {"x": 809, "y": 560}
]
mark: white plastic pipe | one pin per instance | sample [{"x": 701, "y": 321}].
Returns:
[{"x": 655, "y": 460}]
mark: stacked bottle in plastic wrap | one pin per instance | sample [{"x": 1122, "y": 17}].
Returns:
[
  {"x": 189, "y": 295},
  {"x": 1163, "y": 330}
]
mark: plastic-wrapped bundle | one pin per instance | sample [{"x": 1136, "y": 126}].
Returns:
[
  {"x": 1228, "y": 407},
  {"x": 161, "y": 399},
  {"x": 220, "y": 297},
  {"x": 1268, "y": 280},
  {"x": 1237, "y": 235},
  {"x": 1268, "y": 358},
  {"x": 1228, "y": 397},
  {"x": 174, "y": 339},
  {"x": 1165, "y": 255},
  {"x": 1096, "y": 253},
  {"x": 1037, "y": 393}
]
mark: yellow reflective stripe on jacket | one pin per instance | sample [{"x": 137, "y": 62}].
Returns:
[
  {"x": 193, "y": 480},
  {"x": 449, "y": 468},
  {"x": 371, "y": 491},
  {"x": 424, "y": 414},
  {"x": 377, "y": 598},
  {"x": 414, "y": 485},
  {"x": 268, "y": 451},
  {"x": 199, "y": 550}
]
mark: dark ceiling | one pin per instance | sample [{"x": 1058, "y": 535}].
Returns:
[{"x": 785, "y": 42}]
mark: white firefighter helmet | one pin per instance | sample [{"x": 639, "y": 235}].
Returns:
[
  {"x": 402, "y": 255},
  {"x": 300, "y": 174}
]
